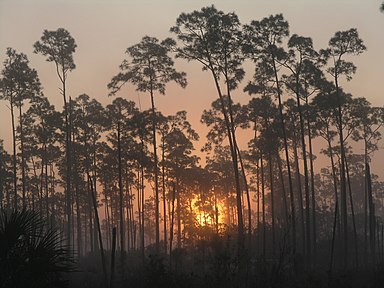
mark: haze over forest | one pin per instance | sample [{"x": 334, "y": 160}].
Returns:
[{"x": 196, "y": 144}]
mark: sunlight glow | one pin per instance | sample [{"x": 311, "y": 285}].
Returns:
[{"x": 206, "y": 212}]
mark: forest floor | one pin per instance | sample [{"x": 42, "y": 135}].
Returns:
[{"x": 189, "y": 271}]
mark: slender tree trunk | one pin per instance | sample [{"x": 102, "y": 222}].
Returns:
[
  {"x": 154, "y": 123},
  {"x": 293, "y": 214},
  {"x": 263, "y": 205},
  {"x": 132, "y": 219},
  {"x": 77, "y": 202},
  {"x": 353, "y": 214},
  {"x": 236, "y": 156},
  {"x": 306, "y": 178},
  {"x": 164, "y": 198},
  {"x": 68, "y": 159},
  {"x": 284, "y": 194},
  {"x": 128, "y": 214},
  {"x": 365, "y": 219},
  {"x": 139, "y": 200},
  {"x": 37, "y": 187},
  {"x": 178, "y": 214},
  {"x": 97, "y": 221},
  {"x": 14, "y": 157},
  {"x": 314, "y": 233},
  {"x": 172, "y": 221},
  {"x": 300, "y": 200},
  {"x": 372, "y": 217},
  {"x": 90, "y": 216},
  {"x": 382, "y": 242},
  {"x": 120, "y": 190},
  {"x": 107, "y": 218},
  {"x": 365, "y": 203},
  {"x": 79, "y": 240},
  {"x": 216, "y": 214},
  {"x": 232, "y": 145},
  {"x": 333, "y": 236},
  {"x": 271, "y": 180},
  {"x": 71, "y": 195},
  {"x": 343, "y": 191},
  {"x": 52, "y": 182},
  {"x": 336, "y": 214},
  {"x": 258, "y": 205},
  {"x": 2, "y": 168},
  {"x": 142, "y": 215},
  {"x": 248, "y": 199},
  {"x": 113, "y": 253},
  {"x": 78, "y": 217},
  {"x": 47, "y": 200},
  {"x": 127, "y": 205},
  {"x": 23, "y": 178}
]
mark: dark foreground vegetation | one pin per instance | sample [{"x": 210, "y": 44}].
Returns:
[
  {"x": 114, "y": 196},
  {"x": 34, "y": 255},
  {"x": 215, "y": 266}
]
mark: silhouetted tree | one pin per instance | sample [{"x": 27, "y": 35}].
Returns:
[
  {"x": 262, "y": 45},
  {"x": 300, "y": 65},
  {"x": 59, "y": 47},
  {"x": 149, "y": 68},
  {"x": 213, "y": 38},
  {"x": 118, "y": 113},
  {"x": 340, "y": 45},
  {"x": 42, "y": 134}
]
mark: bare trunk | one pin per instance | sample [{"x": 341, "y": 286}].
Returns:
[
  {"x": 372, "y": 217},
  {"x": 14, "y": 158},
  {"x": 343, "y": 191},
  {"x": 248, "y": 199},
  {"x": 284, "y": 194},
  {"x": 314, "y": 233},
  {"x": 23, "y": 180},
  {"x": 78, "y": 226},
  {"x": 300, "y": 194},
  {"x": 164, "y": 198},
  {"x": 97, "y": 221},
  {"x": 293, "y": 214},
  {"x": 233, "y": 147},
  {"x": 68, "y": 162},
  {"x": 306, "y": 180},
  {"x": 263, "y": 205},
  {"x": 157, "y": 216},
  {"x": 258, "y": 204},
  {"x": 271, "y": 180},
  {"x": 353, "y": 214},
  {"x": 113, "y": 253},
  {"x": 178, "y": 214},
  {"x": 171, "y": 228},
  {"x": 336, "y": 213},
  {"x": 1, "y": 178},
  {"x": 121, "y": 212},
  {"x": 142, "y": 216}
]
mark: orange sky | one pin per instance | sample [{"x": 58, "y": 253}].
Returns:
[{"x": 104, "y": 29}]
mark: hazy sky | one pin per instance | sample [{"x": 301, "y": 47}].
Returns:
[{"x": 103, "y": 29}]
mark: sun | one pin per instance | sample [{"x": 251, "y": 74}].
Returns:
[{"x": 208, "y": 212}]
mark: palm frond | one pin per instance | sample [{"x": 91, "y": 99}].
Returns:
[{"x": 32, "y": 254}]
